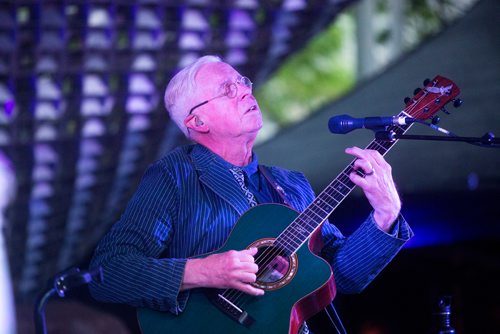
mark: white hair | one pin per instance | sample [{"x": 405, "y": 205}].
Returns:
[{"x": 180, "y": 90}]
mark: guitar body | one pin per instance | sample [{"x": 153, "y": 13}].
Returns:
[{"x": 306, "y": 288}]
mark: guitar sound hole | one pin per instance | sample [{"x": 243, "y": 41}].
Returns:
[
  {"x": 276, "y": 268},
  {"x": 273, "y": 264}
]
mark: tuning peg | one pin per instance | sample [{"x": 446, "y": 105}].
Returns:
[
  {"x": 406, "y": 100},
  {"x": 457, "y": 102},
  {"x": 435, "y": 119},
  {"x": 417, "y": 90},
  {"x": 443, "y": 109},
  {"x": 426, "y": 82}
]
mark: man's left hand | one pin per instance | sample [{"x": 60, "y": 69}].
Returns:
[{"x": 377, "y": 184}]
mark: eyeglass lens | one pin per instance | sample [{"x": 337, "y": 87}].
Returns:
[{"x": 231, "y": 90}]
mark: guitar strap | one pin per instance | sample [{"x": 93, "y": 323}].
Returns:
[{"x": 272, "y": 181}]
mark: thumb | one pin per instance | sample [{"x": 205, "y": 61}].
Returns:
[{"x": 252, "y": 251}]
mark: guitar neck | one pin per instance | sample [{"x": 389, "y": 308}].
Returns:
[
  {"x": 424, "y": 104},
  {"x": 301, "y": 229}
]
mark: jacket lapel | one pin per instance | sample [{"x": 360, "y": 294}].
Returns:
[{"x": 216, "y": 177}]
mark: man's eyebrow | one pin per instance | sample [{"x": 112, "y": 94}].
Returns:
[
  {"x": 228, "y": 81},
  {"x": 224, "y": 83}
]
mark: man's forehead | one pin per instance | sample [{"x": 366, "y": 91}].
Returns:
[{"x": 216, "y": 73}]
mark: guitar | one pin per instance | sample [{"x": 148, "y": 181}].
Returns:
[{"x": 298, "y": 283}]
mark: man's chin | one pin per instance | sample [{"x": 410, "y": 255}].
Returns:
[
  {"x": 254, "y": 130},
  {"x": 258, "y": 125}
]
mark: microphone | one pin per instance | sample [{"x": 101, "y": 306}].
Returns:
[{"x": 343, "y": 124}]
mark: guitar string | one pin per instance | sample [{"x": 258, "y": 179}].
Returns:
[
  {"x": 333, "y": 193},
  {"x": 345, "y": 180},
  {"x": 268, "y": 255},
  {"x": 349, "y": 169}
]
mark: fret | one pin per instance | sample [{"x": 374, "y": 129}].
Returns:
[
  {"x": 335, "y": 194},
  {"x": 297, "y": 238},
  {"x": 304, "y": 220},
  {"x": 385, "y": 144},
  {"x": 379, "y": 147},
  {"x": 316, "y": 205},
  {"x": 344, "y": 175},
  {"x": 314, "y": 212},
  {"x": 345, "y": 183},
  {"x": 293, "y": 237},
  {"x": 300, "y": 230},
  {"x": 309, "y": 221},
  {"x": 306, "y": 224},
  {"x": 325, "y": 192},
  {"x": 288, "y": 242},
  {"x": 322, "y": 204},
  {"x": 342, "y": 188}
]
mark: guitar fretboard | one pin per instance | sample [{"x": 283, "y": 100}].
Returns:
[{"x": 299, "y": 231}]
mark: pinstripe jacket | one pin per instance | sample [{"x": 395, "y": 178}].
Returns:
[{"x": 186, "y": 205}]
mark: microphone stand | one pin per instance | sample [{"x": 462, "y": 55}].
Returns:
[
  {"x": 488, "y": 140},
  {"x": 60, "y": 284}
]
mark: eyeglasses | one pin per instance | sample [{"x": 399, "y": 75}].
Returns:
[{"x": 230, "y": 90}]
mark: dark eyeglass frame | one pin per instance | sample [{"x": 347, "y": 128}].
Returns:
[{"x": 230, "y": 90}]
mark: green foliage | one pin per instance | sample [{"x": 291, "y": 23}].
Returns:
[
  {"x": 316, "y": 75},
  {"x": 326, "y": 68}
]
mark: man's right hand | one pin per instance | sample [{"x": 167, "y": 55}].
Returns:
[{"x": 228, "y": 270}]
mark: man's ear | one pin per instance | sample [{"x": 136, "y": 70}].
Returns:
[{"x": 194, "y": 123}]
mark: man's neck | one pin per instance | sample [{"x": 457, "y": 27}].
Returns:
[{"x": 236, "y": 152}]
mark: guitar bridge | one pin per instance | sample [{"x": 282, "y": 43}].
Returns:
[{"x": 231, "y": 310}]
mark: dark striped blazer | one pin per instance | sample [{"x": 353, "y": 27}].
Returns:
[{"x": 186, "y": 205}]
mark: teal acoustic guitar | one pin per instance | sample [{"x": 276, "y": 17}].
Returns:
[{"x": 298, "y": 283}]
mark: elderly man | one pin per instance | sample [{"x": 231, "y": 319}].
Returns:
[{"x": 189, "y": 201}]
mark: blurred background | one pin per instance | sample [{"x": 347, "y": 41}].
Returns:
[{"x": 82, "y": 116}]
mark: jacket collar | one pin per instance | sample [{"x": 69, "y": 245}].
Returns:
[{"x": 214, "y": 173}]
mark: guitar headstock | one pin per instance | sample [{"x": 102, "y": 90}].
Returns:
[{"x": 433, "y": 97}]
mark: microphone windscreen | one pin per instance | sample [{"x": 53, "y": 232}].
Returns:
[{"x": 341, "y": 124}]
